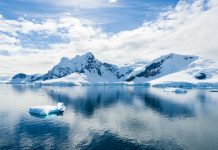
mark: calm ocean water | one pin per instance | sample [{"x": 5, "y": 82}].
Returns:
[{"x": 109, "y": 117}]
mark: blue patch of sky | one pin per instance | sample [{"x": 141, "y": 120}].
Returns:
[
  {"x": 13, "y": 9},
  {"x": 130, "y": 14},
  {"x": 40, "y": 40},
  {"x": 5, "y": 53}
]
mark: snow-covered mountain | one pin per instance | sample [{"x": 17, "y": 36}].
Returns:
[
  {"x": 167, "y": 70},
  {"x": 86, "y": 66},
  {"x": 201, "y": 73},
  {"x": 162, "y": 66}
]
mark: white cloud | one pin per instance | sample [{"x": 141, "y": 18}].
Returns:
[
  {"x": 112, "y": 1},
  {"x": 191, "y": 28}
]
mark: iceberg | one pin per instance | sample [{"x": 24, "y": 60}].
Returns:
[
  {"x": 47, "y": 109},
  {"x": 176, "y": 90}
]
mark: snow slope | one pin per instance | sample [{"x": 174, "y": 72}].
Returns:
[{"x": 188, "y": 76}]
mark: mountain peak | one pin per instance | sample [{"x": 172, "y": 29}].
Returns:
[
  {"x": 181, "y": 55},
  {"x": 87, "y": 55},
  {"x": 65, "y": 59},
  {"x": 176, "y": 57}
]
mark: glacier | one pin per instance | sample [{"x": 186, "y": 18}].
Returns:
[{"x": 171, "y": 70}]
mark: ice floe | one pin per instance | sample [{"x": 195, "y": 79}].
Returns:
[{"x": 47, "y": 109}]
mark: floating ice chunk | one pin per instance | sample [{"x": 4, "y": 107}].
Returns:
[
  {"x": 47, "y": 109},
  {"x": 176, "y": 90},
  {"x": 213, "y": 90}
]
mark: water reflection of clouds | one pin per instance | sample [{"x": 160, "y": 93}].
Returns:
[{"x": 41, "y": 134}]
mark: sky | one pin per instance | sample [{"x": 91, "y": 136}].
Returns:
[{"x": 35, "y": 34}]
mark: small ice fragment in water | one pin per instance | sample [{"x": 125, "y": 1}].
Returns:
[
  {"x": 176, "y": 90},
  {"x": 47, "y": 109},
  {"x": 213, "y": 90}
]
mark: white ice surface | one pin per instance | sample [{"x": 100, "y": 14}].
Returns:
[
  {"x": 176, "y": 90},
  {"x": 47, "y": 109}
]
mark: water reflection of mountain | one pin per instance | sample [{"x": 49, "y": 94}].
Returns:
[
  {"x": 98, "y": 97},
  {"x": 94, "y": 98},
  {"x": 168, "y": 107},
  {"x": 19, "y": 88}
]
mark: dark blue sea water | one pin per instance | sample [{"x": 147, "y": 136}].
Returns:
[{"x": 109, "y": 118}]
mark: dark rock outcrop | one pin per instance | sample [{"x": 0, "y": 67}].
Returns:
[{"x": 201, "y": 76}]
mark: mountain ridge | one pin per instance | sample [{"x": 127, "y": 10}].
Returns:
[{"x": 87, "y": 70}]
